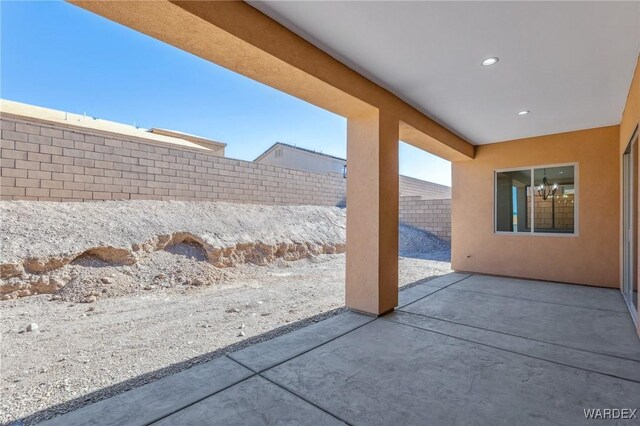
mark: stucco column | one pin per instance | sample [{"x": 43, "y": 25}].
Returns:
[{"x": 372, "y": 213}]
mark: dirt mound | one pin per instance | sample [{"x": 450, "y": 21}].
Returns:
[
  {"x": 413, "y": 241},
  {"x": 177, "y": 266},
  {"x": 84, "y": 251},
  {"x": 41, "y": 236}
]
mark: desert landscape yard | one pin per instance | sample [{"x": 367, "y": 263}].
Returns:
[{"x": 104, "y": 296}]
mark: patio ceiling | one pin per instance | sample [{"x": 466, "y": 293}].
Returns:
[{"x": 569, "y": 63}]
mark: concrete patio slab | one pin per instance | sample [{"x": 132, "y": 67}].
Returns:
[
  {"x": 589, "y": 361},
  {"x": 386, "y": 373},
  {"x": 600, "y": 331},
  {"x": 541, "y": 291},
  {"x": 151, "y": 402},
  {"x": 421, "y": 290},
  {"x": 447, "y": 280},
  {"x": 272, "y": 352},
  {"x": 451, "y": 357},
  {"x": 413, "y": 294},
  {"x": 253, "y": 401}
]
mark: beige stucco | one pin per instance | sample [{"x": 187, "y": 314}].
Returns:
[
  {"x": 591, "y": 257},
  {"x": 372, "y": 217}
]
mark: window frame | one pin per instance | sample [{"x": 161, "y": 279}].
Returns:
[{"x": 532, "y": 233}]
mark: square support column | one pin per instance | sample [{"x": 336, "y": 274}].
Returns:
[{"x": 372, "y": 213}]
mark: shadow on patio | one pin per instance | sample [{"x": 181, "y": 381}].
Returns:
[{"x": 460, "y": 349}]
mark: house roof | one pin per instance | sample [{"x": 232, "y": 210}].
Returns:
[
  {"x": 193, "y": 138},
  {"x": 272, "y": 147},
  {"x": 57, "y": 117}
]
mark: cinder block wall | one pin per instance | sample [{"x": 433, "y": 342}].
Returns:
[
  {"x": 429, "y": 215},
  {"x": 44, "y": 161},
  {"x": 415, "y": 187},
  {"x": 49, "y": 162}
]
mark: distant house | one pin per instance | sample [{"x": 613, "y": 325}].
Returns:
[
  {"x": 297, "y": 158},
  {"x": 112, "y": 128},
  {"x": 216, "y": 148},
  {"x": 294, "y": 157}
]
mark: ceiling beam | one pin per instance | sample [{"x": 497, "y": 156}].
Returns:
[{"x": 237, "y": 36}]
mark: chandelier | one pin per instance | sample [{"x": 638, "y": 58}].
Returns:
[{"x": 545, "y": 190}]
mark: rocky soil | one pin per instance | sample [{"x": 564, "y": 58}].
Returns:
[
  {"x": 42, "y": 242},
  {"x": 81, "y": 252},
  {"x": 95, "y": 323}
]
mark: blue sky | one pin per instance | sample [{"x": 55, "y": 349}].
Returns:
[{"x": 59, "y": 56}]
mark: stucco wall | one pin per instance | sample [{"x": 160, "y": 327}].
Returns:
[{"x": 589, "y": 258}]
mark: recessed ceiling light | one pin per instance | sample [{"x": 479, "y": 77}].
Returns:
[
  {"x": 490, "y": 61},
  {"x": 524, "y": 112}
]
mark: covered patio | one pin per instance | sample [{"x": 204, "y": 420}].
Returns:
[
  {"x": 466, "y": 348},
  {"x": 459, "y": 349}
]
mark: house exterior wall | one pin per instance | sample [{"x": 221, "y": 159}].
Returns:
[
  {"x": 591, "y": 257},
  {"x": 293, "y": 158}
]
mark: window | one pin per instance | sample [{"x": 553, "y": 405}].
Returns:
[
  {"x": 278, "y": 152},
  {"x": 540, "y": 200}
]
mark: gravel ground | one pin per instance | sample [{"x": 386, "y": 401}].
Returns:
[
  {"x": 83, "y": 348},
  {"x": 103, "y": 297}
]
